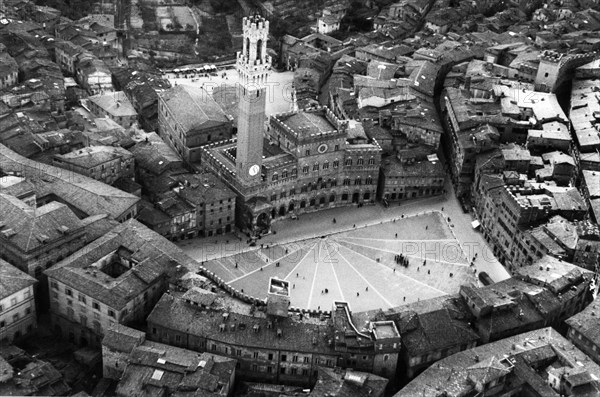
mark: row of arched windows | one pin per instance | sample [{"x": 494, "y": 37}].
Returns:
[{"x": 317, "y": 166}]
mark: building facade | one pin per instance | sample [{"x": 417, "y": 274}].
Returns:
[
  {"x": 272, "y": 345},
  {"x": 92, "y": 74},
  {"x": 128, "y": 357},
  {"x": 306, "y": 161},
  {"x": 404, "y": 180},
  {"x": 189, "y": 118},
  {"x": 17, "y": 303},
  {"x": 9, "y": 71},
  {"x": 65, "y": 55},
  {"x": 116, "y": 279},
  {"x": 57, "y": 232},
  {"x": 115, "y": 106},
  {"x": 582, "y": 331},
  {"x": 102, "y": 163}
]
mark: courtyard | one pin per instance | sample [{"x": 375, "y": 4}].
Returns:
[{"x": 358, "y": 265}]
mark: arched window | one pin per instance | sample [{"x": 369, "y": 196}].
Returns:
[
  {"x": 369, "y": 180},
  {"x": 348, "y": 162},
  {"x": 305, "y": 169},
  {"x": 360, "y": 161},
  {"x": 357, "y": 181},
  {"x": 275, "y": 177},
  {"x": 316, "y": 167},
  {"x": 326, "y": 165},
  {"x": 259, "y": 46},
  {"x": 371, "y": 161},
  {"x": 346, "y": 181},
  {"x": 248, "y": 47},
  {"x": 336, "y": 163},
  {"x": 284, "y": 174},
  {"x": 294, "y": 172}
]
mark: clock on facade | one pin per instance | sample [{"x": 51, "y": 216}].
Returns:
[
  {"x": 254, "y": 170},
  {"x": 322, "y": 148}
]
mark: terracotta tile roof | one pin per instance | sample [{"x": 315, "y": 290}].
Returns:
[
  {"x": 450, "y": 376},
  {"x": 116, "y": 104},
  {"x": 251, "y": 330},
  {"x": 159, "y": 367},
  {"x": 93, "y": 156},
  {"x": 88, "y": 195},
  {"x": 419, "y": 326},
  {"x": 31, "y": 228},
  {"x": 122, "y": 339},
  {"x": 12, "y": 279},
  {"x": 586, "y": 322},
  {"x": 155, "y": 257},
  {"x": 193, "y": 108},
  {"x": 347, "y": 383}
]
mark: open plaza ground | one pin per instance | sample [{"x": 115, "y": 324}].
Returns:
[
  {"x": 357, "y": 266},
  {"x": 279, "y": 86},
  {"x": 357, "y": 252}
]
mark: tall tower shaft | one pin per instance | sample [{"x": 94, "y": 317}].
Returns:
[{"x": 253, "y": 66}]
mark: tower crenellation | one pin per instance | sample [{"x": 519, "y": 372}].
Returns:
[{"x": 253, "y": 63}]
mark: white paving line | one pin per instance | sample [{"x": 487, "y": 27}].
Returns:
[
  {"x": 408, "y": 256},
  {"x": 262, "y": 267},
  {"x": 337, "y": 280},
  {"x": 301, "y": 260},
  {"x": 222, "y": 265},
  {"x": 312, "y": 287},
  {"x": 400, "y": 274},
  {"x": 284, "y": 246},
  {"x": 396, "y": 239},
  {"x": 368, "y": 283}
]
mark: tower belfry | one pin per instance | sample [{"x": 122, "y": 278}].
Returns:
[{"x": 253, "y": 66}]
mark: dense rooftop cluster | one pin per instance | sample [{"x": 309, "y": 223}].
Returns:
[{"x": 104, "y": 164}]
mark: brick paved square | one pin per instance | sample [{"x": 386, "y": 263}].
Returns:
[{"x": 358, "y": 265}]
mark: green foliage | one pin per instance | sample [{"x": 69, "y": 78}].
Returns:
[
  {"x": 213, "y": 39},
  {"x": 356, "y": 19},
  {"x": 74, "y": 9},
  {"x": 225, "y": 6},
  {"x": 279, "y": 27}
]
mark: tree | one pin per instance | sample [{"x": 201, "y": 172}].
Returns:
[{"x": 279, "y": 27}]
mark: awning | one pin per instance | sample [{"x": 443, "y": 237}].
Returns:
[{"x": 475, "y": 224}]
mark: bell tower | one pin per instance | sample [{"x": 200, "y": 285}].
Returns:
[{"x": 253, "y": 66}]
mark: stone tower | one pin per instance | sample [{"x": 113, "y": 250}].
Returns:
[{"x": 253, "y": 65}]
